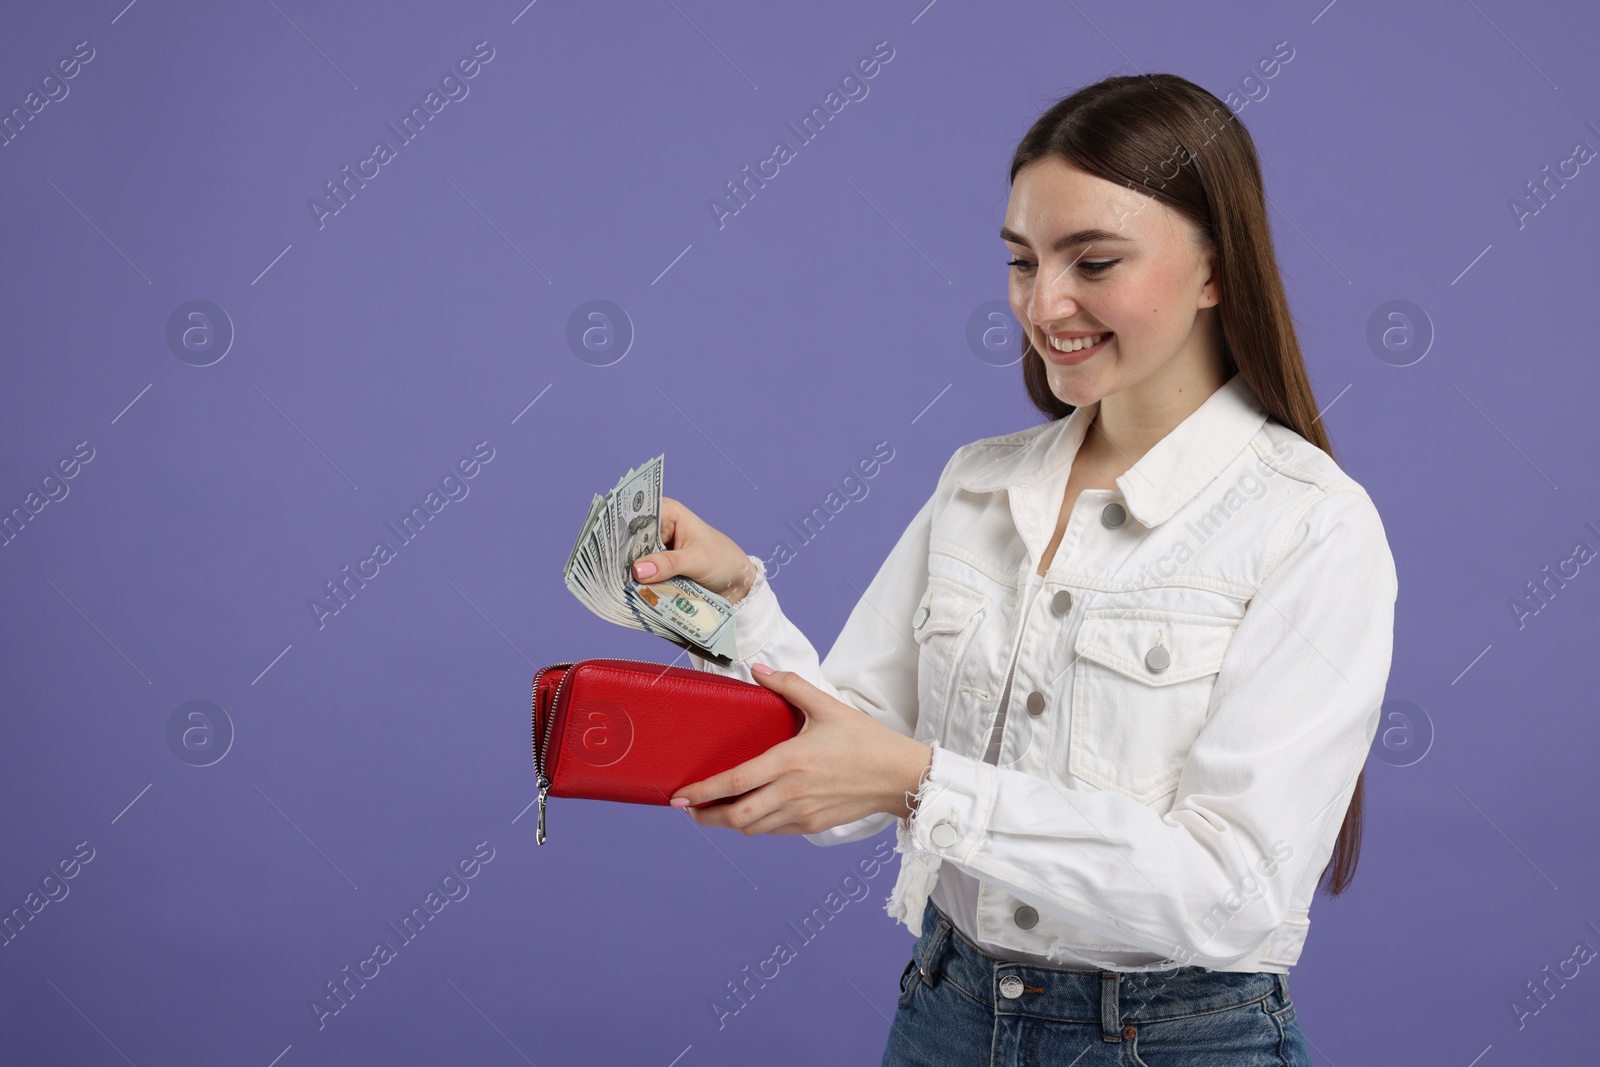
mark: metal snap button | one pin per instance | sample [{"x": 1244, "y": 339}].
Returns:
[
  {"x": 1035, "y": 702},
  {"x": 1128, "y": 1033},
  {"x": 1113, "y": 515},
  {"x": 943, "y": 834},
  {"x": 1061, "y": 603},
  {"x": 1026, "y": 917},
  {"x": 1011, "y": 987},
  {"x": 922, "y": 617},
  {"x": 1158, "y": 659}
]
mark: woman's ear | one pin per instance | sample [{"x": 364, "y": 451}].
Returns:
[{"x": 1211, "y": 288}]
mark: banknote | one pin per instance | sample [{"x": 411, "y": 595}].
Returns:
[{"x": 622, "y": 525}]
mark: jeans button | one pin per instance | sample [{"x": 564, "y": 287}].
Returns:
[
  {"x": 1026, "y": 917},
  {"x": 1158, "y": 659},
  {"x": 1011, "y": 987},
  {"x": 1035, "y": 702},
  {"x": 1113, "y": 514},
  {"x": 1061, "y": 603},
  {"x": 943, "y": 834}
]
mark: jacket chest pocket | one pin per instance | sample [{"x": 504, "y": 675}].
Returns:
[
  {"x": 1141, "y": 690},
  {"x": 943, "y": 627}
]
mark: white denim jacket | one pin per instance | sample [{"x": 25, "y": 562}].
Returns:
[{"x": 1197, "y": 685}]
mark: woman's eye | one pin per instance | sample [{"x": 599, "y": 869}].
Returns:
[{"x": 1089, "y": 267}]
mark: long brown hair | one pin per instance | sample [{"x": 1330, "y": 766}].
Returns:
[{"x": 1166, "y": 137}]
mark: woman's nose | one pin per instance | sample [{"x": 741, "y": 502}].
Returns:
[
  {"x": 1053, "y": 298},
  {"x": 1052, "y": 302}
]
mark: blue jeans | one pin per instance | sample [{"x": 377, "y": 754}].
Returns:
[{"x": 962, "y": 1008}]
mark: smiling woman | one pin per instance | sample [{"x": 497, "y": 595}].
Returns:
[{"x": 1185, "y": 606}]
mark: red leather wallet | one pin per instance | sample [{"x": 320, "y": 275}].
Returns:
[{"x": 636, "y": 732}]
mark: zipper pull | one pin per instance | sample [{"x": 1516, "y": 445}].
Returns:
[{"x": 544, "y": 791}]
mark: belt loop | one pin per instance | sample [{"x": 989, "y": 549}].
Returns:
[
  {"x": 1110, "y": 1018},
  {"x": 930, "y": 955},
  {"x": 1283, "y": 988}
]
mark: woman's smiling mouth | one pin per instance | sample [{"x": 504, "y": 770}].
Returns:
[{"x": 1067, "y": 350}]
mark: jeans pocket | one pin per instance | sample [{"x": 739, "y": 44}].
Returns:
[{"x": 1245, "y": 1033}]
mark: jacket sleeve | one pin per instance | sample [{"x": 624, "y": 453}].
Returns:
[
  {"x": 1263, "y": 790},
  {"x": 873, "y": 663}
]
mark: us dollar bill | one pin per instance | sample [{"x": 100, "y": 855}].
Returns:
[{"x": 622, "y": 526}]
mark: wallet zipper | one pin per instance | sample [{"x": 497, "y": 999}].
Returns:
[{"x": 542, "y": 745}]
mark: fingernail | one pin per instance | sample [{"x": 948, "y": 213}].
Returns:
[
  {"x": 644, "y": 568},
  {"x": 680, "y": 802},
  {"x": 761, "y": 668}
]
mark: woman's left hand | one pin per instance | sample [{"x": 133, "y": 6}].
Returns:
[{"x": 843, "y": 765}]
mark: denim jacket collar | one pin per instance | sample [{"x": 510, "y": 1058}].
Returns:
[{"x": 1166, "y": 478}]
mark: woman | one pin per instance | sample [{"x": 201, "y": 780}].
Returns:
[{"x": 1122, "y": 669}]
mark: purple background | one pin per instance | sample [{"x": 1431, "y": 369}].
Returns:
[{"x": 769, "y": 354}]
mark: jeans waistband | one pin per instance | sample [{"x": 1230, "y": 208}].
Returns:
[{"x": 1114, "y": 999}]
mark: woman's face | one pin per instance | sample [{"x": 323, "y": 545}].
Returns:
[{"x": 1095, "y": 258}]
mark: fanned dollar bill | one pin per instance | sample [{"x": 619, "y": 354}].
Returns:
[{"x": 621, "y": 526}]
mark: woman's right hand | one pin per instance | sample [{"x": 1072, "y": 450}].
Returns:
[{"x": 699, "y": 551}]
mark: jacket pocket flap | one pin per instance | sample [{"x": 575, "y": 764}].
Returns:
[
  {"x": 1131, "y": 642},
  {"x": 946, "y": 607}
]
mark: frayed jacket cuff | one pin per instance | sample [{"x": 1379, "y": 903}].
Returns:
[{"x": 953, "y": 805}]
